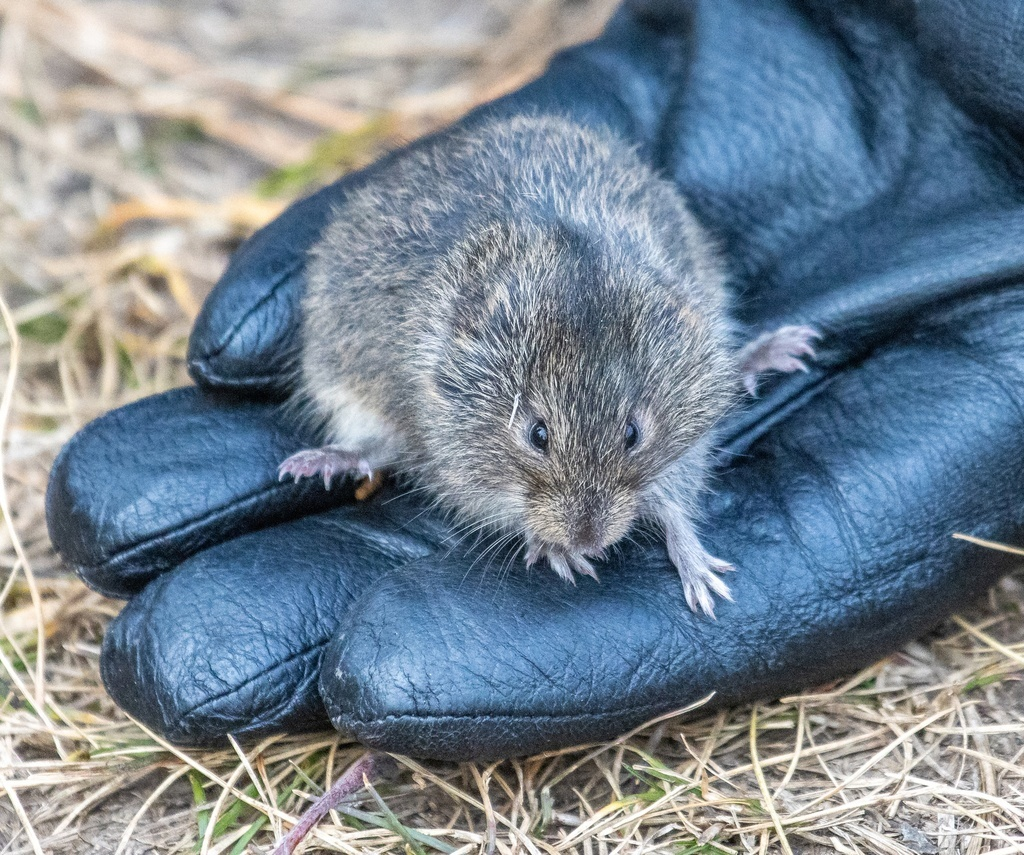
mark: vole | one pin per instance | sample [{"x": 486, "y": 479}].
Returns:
[{"x": 525, "y": 318}]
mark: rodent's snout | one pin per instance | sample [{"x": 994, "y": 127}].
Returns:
[{"x": 583, "y": 523}]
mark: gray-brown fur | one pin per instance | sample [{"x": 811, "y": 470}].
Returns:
[{"x": 528, "y": 269}]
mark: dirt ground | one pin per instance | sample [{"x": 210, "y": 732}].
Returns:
[{"x": 140, "y": 142}]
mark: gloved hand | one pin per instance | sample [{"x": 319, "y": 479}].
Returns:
[{"x": 858, "y": 164}]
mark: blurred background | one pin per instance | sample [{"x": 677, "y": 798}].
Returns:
[{"x": 140, "y": 143}]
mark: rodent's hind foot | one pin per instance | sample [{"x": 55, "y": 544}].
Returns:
[
  {"x": 327, "y": 462},
  {"x": 782, "y": 350},
  {"x": 565, "y": 564}
]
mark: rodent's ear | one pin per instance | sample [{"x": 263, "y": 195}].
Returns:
[
  {"x": 493, "y": 246},
  {"x": 476, "y": 266}
]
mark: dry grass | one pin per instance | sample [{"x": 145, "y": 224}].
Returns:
[{"x": 133, "y": 158}]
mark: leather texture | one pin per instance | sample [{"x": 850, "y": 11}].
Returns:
[{"x": 861, "y": 166}]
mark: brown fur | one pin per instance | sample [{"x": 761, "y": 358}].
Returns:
[{"x": 528, "y": 269}]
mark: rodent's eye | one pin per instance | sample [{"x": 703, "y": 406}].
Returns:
[
  {"x": 632, "y": 436},
  {"x": 539, "y": 436}
]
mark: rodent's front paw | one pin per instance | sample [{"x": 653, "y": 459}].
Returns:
[
  {"x": 700, "y": 582},
  {"x": 698, "y": 571}
]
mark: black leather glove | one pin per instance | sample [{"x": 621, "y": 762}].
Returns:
[{"x": 859, "y": 165}]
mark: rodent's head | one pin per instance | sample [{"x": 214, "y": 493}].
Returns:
[{"x": 561, "y": 381}]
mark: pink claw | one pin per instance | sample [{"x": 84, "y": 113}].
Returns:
[{"x": 327, "y": 461}]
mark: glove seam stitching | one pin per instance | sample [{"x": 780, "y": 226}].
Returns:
[{"x": 426, "y": 717}]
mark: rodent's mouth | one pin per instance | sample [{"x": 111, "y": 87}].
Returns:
[
  {"x": 539, "y": 547},
  {"x": 566, "y": 562}
]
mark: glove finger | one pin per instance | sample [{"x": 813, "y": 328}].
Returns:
[
  {"x": 839, "y": 523},
  {"x": 140, "y": 489},
  {"x": 246, "y": 335},
  {"x": 230, "y": 641}
]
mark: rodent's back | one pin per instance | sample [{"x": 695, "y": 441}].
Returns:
[{"x": 386, "y": 262}]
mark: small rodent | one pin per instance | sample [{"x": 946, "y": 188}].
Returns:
[{"x": 526, "y": 318}]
